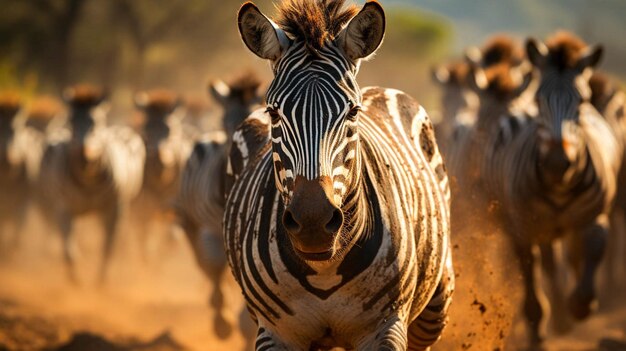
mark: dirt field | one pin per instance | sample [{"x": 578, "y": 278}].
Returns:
[{"x": 162, "y": 304}]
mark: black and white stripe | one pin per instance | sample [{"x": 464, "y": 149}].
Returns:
[{"x": 202, "y": 194}]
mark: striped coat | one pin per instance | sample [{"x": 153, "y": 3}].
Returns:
[
  {"x": 555, "y": 177},
  {"x": 89, "y": 167},
  {"x": 387, "y": 280},
  {"x": 202, "y": 195},
  {"x": 167, "y": 149}
]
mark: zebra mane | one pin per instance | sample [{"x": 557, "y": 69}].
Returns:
[
  {"x": 564, "y": 50},
  {"x": 314, "y": 21},
  {"x": 245, "y": 85},
  {"x": 501, "y": 48},
  {"x": 44, "y": 108},
  {"x": 84, "y": 95},
  {"x": 10, "y": 103},
  {"x": 159, "y": 101}
]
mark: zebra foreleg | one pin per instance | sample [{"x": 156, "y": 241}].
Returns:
[
  {"x": 64, "y": 222},
  {"x": 110, "y": 220},
  {"x": 552, "y": 261},
  {"x": 215, "y": 267},
  {"x": 427, "y": 328},
  {"x": 583, "y": 299},
  {"x": 535, "y": 302}
]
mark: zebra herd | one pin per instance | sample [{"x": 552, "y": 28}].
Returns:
[
  {"x": 331, "y": 203},
  {"x": 540, "y": 134}
]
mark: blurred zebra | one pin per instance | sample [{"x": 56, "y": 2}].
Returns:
[
  {"x": 202, "y": 196},
  {"x": 89, "y": 167},
  {"x": 337, "y": 224},
  {"x": 499, "y": 63},
  {"x": 167, "y": 150},
  {"x": 610, "y": 101},
  {"x": 13, "y": 172},
  {"x": 555, "y": 176},
  {"x": 458, "y": 103}
]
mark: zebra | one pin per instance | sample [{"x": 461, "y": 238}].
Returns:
[
  {"x": 554, "y": 175},
  {"x": 13, "y": 172},
  {"x": 89, "y": 167},
  {"x": 337, "y": 222},
  {"x": 202, "y": 195},
  {"x": 610, "y": 102},
  {"x": 458, "y": 103},
  {"x": 167, "y": 150},
  {"x": 496, "y": 75}
]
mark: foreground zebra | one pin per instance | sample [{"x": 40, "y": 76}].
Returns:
[
  {"x": 13, "y": 172},
  {"x": 337, "y": 224},
  {"x": 200, "y": 203},
  {"x": 89, "y": 168},
  {"x": 555, "y": 176},
  {"x": 167, "y": 150}
]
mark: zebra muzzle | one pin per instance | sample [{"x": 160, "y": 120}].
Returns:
[{"x": 312, "y": 220}]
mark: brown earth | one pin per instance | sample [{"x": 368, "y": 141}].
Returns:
[{"x": 162, "y": 305}]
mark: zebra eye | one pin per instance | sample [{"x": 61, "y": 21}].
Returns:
[
  {"x": 274, "y": 115},
  {"x": 353, "y": 113}
]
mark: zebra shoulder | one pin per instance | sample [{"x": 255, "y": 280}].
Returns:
[{"x": 248, "y": 141}]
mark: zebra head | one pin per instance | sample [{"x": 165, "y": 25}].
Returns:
[
  {"x": 158, "y": 107},
  {"x": 497, "y": 87},
  {"x": 162, "y": 109},
  {"x": 315, "y": 49},
  {"x": 238, "y": 98},
  {"x": 457, "y": 99},
  {"x": 87, "y": 111},
  {"x": 565, "y": 64}
]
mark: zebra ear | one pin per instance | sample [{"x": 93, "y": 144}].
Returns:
[
  {"x": 141, "y": 100},
  {"x": 440, "y": 74},
  {"x": 260, "y": 34},
  {"x": 365, "y": 32},
  {"x": 590, "y": 58},
  {"x": 478, "y": 79},
  {"x": 473, "y": 56},
  {"x": 219, "y": 90},
  {"x": 522, "y": 75},
  {"x": 536, "y": 51}
]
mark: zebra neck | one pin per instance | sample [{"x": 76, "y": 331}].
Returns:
[{"x": 489, "y": 114}]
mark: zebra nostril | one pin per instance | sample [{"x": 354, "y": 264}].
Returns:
[
  {"x": 290, "y": 223},
  {"x": 335, "y": 222}
]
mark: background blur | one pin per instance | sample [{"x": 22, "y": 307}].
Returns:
[{"x": 131, "y": 45}]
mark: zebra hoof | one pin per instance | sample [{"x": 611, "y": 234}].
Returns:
[
  {"x": 222, "y": 328},
  {"x": 582, "y": 304}
]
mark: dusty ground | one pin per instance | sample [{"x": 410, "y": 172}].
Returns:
[{"x": 161, "y": 305}]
